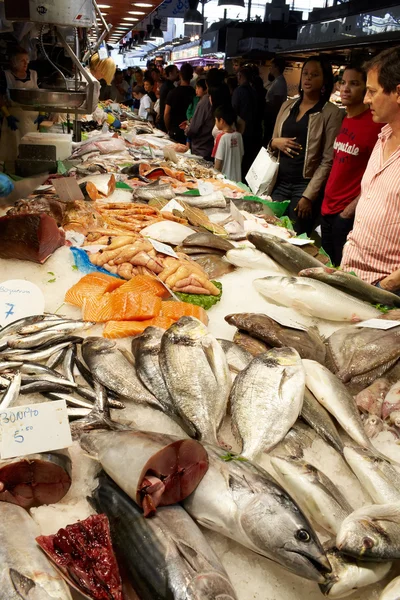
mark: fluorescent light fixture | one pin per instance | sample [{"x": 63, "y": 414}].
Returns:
[
  {"x": 142, "y": 4},
  {"x": 104, "y": 6},
  {"x": 129, "y": 19},
  {"x": 136, "y": 12}
]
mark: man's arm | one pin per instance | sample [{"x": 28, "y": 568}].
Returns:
[
  {"x": 391, "y": 283},
  {"x": 350, "y": 210},
  {"x": 218, "y": 164}
]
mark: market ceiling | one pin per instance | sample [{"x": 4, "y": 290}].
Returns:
[{"x": 124, "y": 15}]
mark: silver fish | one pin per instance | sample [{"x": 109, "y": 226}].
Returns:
[
  {"x": 166, "y": 557},
  {"x": 319, "y": 419},
  {"x": 322, "y": 503},
  {"x": 56, "y": 358},
  {"x": 38, "y": 355},
  {"x": 37, "y": 339},
  {"x": 391, "y": 591},
  {"x": 238, "y": 358},
  {"x": 292, "y": 258},
  {"x": 242, "y": 501},
  {"x": 70, "y": 400},
  {"x": 41, "y": 326},
  {"x": 75, "y": 412},
  {"x": 16, "y": 325},
  {"x": 377, "y": 476},
  {"x": 208, "y": 240},
  {"x": 371, "y": 533},
  {"x": 251, "y": 258},
  {"x": 9, "y": 365},
  {"x": 349, "y": 574},
  {"x": 25, "y": 572},
  {"x": 110, "y": 368},
  {"x": 40, "y": 386},
  {"x": 266, "y": 400},
  {"x": 12, "y": 393},
  {"x": 68, "y": 363},
  {"x": 200, "y": 394},
  {"x": 27, "y": 379},
  {"x": 314, "y": 298}
]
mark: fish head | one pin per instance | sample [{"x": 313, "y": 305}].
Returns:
[
  {"x": 97, "y": 344},
  {"x": 364, "y": 538},
  {"x": 284, "y": 357},
  {"x": 316, "y": 271},
  {"x": 188, "y": 330}
]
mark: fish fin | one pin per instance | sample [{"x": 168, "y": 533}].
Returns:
[
  {"x": 302, "y": 307},
  {"x": 377, "y": 512},
  {"x": 22, "y": 584},
  {"x": 194, "y": 559}
]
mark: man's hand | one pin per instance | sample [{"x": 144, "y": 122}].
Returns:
[
  {"x": 391, "y": 283},
  {"x": 350, "y": 210},
  {"x": 304, "y": 208},
  {"x": 12, "y": 122}
]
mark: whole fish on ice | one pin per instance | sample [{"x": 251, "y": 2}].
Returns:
[
  {"x": 314, "y": 298},
  {"x": 376, "y": 475},
  {"x": 251, "y": 258},
  {"x": 319, "y": 419},
  {"x": 290, "y": 257}
]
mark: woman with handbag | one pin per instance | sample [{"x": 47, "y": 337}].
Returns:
[{"x": 303, "y": 138}]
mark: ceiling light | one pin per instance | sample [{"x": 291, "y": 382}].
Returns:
[
  {"x": 104, "y": 6},
  {"x": 136, "y": 12},
  {"x": 142, "y": 4},
  {"x": 129, "y": 19}
]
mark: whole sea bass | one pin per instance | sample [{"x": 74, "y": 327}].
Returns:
[
  {"x": 242, "y": 501},
  {"x": 197, "y": 375},
  {"x": 307, "y": 343},
  {"x": 352, "y": 285},
  {"x": 25, "y": 572},
  {"x": 166, "y": 557},
  {"x": 314, "y": 299},
  {"x": 290, "y": 257},
  {"x": 266, "y": 400}
]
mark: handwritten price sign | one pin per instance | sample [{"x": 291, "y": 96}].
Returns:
[
  {"x": 18, "y": 299},
  {"x": 34, "y": 428}
]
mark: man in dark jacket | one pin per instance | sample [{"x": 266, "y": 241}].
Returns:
[{"x": 171, "y": 75}]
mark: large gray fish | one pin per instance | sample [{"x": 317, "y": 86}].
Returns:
[
  {"x": 197, "y": 375},
  {"x": 292, "y": 258},
  {"x": 318, "y": 497},
  {"x": 153, "y": 469},
  {"x": 238, "y": 358},
  {"x": 166, "y": 557},
  {"x": 111, "y": 368},
  {"x": 376, "y": 475},
  {"x": 208, "y": 240},
  {"x": 391, "y": 591},
  {"x": 266, "y": 400},
  {"x": 363, "y": 351},
  {"x": 371, "y": 533},
  {"x": 349, "y": 574},
  {"x": 352, "y": 285},
  {"x": 25, "y": 572},
  {"x": 314, "y": 298},
  {"x": 242, "y": 501},
  {"x": 333, "y": 396},
  {"x": 319, "y": 419},
  {"x": 307, "y": 343}
]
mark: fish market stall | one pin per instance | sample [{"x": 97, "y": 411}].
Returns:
[{"x": 166, "y": 292}]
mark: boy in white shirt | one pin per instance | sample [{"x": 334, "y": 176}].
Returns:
[
  {"x": 228, "y": 149},
  {"x": 146, "y": 105}
]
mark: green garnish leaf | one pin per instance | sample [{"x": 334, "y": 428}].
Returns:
[
  {"x": 202, "y": 300},
  {"x": 52, "y": 280},
  {"x": 383, "y": 308},
  {"x": 75, "y": 268},
  {"x": 229, "y": 456},
  {"x": 50, "y": 273}
]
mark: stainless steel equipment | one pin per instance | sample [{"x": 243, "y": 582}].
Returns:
[
  {"x": 51, "y": 99},
  {"x": 75, "y": 13}
]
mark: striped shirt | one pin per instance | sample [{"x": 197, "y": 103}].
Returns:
[{"x": 372, "y": 249}]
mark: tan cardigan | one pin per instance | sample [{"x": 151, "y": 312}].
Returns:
[{"x": 323, "y": 127}]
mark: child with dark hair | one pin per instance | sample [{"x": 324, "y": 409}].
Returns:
[{"x": 228, "y": 149}]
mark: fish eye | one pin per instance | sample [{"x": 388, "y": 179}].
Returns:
[
  {"x": 303, "y": 536},
  {"x": 368, "y": 543}
]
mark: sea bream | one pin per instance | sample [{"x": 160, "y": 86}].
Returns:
[
  {"x": 314, "y": 299},
  {"x": 197, "y": 375},
  {"x": 166, "y": 557},
  {"x": 25, "y": 572},
  {"x": 266, "y": 400}
]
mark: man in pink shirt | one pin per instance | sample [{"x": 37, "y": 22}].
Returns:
[{"x": 372, "y": 249}]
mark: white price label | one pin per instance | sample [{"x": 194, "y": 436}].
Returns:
[
  {"x": 379, "y": 324},
  {"x": 34, "y": 428},
  {"x": 299, "y": 241},
  {"x": 237, "y": 215},
  {"x": 19, "y": 299},
  {"x": 172, "y": 205},
  {"x": 205, "y": 188},
  {"x": 162, "y": 248}
]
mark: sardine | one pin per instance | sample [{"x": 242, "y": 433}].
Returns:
[
  {"x": 250, "y": 344},
  {"x": 68, "y": 363},
  {"x": 292, "y": 258},
  {"x": 197, "y": 375},
  {"x": 251, "y": 258},
  {"x": 36, "y": 339},
  {"x": 352, "y": 285},
  {"x": 314, "y": 298},
  {"x": 25, "y": 572},
  {"x": 333, "y": 396},
  {"x": 166, "y": 557},
  {"x": 12, "y": 394},
  {"x": 377, "y": 476},
  {"x": 70, "y": 400},
  {"x": 110, "y": 368},
  {"x": 318, "y": 497},
  {"x": 208, "y": 240},
  {"x": 41, "y": 326},
  {"x": 391, "y": 591},
  {"x": 237, "y": 358},
  {"x": 56, "y": 358},
  {"x": 40, "y": 386},
  {"x": 37, "y": 355},
  {"x": 307, "y": 343},
  {"x": 27, "y": 379},
  {"x": 16, "y": 325},
  {"x": 154, "y": 469},
  {"x": 242, "y": 501},
  {"x": 349, "y": 574},
  {"x": 319, "y": 419},
  {"x": 371, "y": 533},
  {"x": 9, "y": 365},
  {"x": 266, "y": 400}
]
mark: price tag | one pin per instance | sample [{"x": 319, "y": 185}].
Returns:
[
  {"x": 34, "y": 428},
  {"x": 379, "y": 324},
  {"x": 237, "y": 215},
  {"x": 18, "y": 299},
  {"x": 299, "y": 241},
  {"x": 205, "y": 188},
  {"x": 162, "y": 248},
  {"x": 172, "y": 205}
]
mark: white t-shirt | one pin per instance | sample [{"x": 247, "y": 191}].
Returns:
[
  {"x": 230, "y": 151},
  {"x": 145, "y": 107}
]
